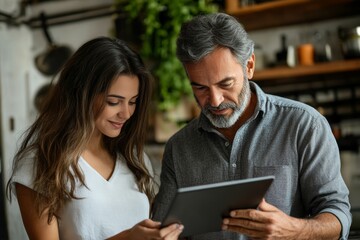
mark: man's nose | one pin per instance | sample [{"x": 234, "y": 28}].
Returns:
[{"x": 216, "y": 97}]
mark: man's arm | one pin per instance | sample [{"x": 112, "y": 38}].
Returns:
[
  {"x": 268, "y": 222},
  {"x": 168, "y": 187}
]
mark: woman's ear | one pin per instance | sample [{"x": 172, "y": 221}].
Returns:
[{"x": 250, "y": 68}]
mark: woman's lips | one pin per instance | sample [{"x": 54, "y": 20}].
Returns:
[{"x": 117, "y": 124}]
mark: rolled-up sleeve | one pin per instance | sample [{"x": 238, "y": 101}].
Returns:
[{"x": 323, "y": 187}]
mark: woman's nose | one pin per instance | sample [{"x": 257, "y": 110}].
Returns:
[{"x": 124, "y": 112}]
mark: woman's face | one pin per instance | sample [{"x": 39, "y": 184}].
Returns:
[{"x": 120, "y": 104}]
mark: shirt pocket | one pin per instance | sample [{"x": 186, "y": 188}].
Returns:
[{"x": 280, "y": 192}]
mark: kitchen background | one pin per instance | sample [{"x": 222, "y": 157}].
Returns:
[{"x": 329, "y": 80}]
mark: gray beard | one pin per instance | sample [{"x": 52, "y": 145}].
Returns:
[{"x": 226, "y": 122}]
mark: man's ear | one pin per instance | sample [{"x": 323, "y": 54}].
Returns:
[{"x": 250, "y": 68}]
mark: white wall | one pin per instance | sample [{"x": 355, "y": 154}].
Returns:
[
  {"x": 20, "y": 80},
  {"x": 13, "y": 75},
  {"x": 70, "y": 34}
]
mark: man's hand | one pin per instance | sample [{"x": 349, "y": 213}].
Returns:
[{"x": 268, "y": 222}]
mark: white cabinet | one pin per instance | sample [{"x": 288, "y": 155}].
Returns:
[{"x": 14, "y": 72}]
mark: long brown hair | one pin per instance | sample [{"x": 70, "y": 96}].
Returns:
[{"x": 63, "y": 128}]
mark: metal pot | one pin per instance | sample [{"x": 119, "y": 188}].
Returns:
[
  {"x": 350, "y": 41},
  {"x": 53, "y": 58}
]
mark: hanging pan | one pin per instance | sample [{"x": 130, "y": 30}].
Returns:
[{"x": 53, "y": 58}]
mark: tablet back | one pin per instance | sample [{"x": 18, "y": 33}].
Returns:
[{"x": 202, "y": 208}]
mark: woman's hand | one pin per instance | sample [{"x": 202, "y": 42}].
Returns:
[{"x": 148, "y": 229}]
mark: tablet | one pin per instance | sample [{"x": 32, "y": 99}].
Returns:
[{"x": 201, "y": 209}]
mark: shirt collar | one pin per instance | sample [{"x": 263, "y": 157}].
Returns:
[{"x": 261, "y": 99}]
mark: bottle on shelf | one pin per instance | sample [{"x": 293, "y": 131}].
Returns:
[
  {"x": 281, "y": 55},
  {"x": 323, "y": 49}
]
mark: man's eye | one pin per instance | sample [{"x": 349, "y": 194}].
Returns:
[
  {"x": 226, "y": 84},
  {"x": 199, "y": 87}
]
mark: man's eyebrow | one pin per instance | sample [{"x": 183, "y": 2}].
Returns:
[
  {"x": 226, "y": 79},
  {"x": 220, "y": 82},
  {"x": 195, "y": 84}
]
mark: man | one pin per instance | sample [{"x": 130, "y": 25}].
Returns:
[{"x": 243, "y": 133}]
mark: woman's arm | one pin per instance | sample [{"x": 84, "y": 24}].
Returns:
[{"x": 37, "y": 227}]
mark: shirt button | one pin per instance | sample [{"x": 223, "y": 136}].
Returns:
[
  {"x": 227, "y": 144},
  {"x": 233, "y": 165}
]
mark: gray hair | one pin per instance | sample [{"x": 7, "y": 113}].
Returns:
[{"x": 204, "y": 33}]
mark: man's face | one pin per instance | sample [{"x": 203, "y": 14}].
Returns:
[{"x": 220, "y": 87}]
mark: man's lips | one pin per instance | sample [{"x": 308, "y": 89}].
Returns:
[{"x": 219, "y": 111}]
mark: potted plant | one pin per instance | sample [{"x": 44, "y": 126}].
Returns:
[
  {"x": 156, "y": 25},
  {"x": 160, "y": 22}
]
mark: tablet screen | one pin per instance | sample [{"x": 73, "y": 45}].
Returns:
[{"x": 202, "y": 208}]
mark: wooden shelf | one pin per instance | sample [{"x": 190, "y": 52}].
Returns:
[
  {"x": 305, "y": 71},
  {"x": 287, "y": 12},
  {"x": 335, "y": 76}
]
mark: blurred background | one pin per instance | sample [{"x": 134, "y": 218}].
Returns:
[{"x": 307, "y": 50}]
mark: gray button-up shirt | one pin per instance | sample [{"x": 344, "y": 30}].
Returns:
[{"x": 285, "y": 138}]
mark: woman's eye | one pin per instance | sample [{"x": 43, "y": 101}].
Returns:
[
  {"x": 132, "y": 103},
  {"x": 110, "y": 103}
]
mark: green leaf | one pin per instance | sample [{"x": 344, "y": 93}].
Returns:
[{"x": 162, "y": 20}]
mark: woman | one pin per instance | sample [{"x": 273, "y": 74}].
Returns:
[{"x": 81, "y": 172}]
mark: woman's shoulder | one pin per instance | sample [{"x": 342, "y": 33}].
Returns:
[{"x": 24, "y": 174}]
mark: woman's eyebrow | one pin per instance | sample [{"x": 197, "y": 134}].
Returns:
[
  {"x": 120, "y": 97},
  {"x": 115, "y": 96}
]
